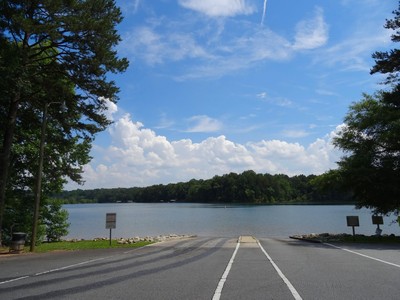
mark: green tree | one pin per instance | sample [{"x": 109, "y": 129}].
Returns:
[
  {"x": 388, "y": 62},
  {"x": 18, "y": 217},
  {"x": 371, "y": 141},
  {"x": 371, "y": 138},
  {"x": 55, "y": 218},
  {"x": 54, "y": 51}
]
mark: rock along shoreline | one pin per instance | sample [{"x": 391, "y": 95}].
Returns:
[
  {"x": 137, "y": 239},
  {"x": 334, "y": 237},
  {"x": 320, "y": 237}
]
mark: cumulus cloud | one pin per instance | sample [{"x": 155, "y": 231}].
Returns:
[
  {"x": 110, "y": 108},
  {"x": 311, "y": 34},
  {"x": 219, "y": 8},
  {"x": 138, "y": 156}
]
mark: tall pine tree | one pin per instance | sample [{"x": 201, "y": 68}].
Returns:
[{"x": 55, "y": 51}]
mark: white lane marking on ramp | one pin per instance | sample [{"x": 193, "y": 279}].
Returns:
[
  {"x": 71, "y": 266},
  {"x": 294, "y": 292},
  {"x": 54, "y": 270},
  {"x": 15, "y": 279},
  {"x": 363, "y": 255},
  {"x": 218, "y": 291}
]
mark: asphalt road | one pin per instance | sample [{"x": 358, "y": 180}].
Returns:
[{"x": 207, "y": 268}]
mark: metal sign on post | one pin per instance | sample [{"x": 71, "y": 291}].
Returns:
[
  {"x": 111, "y": 222},
  {"x": 353, "y": 221},
  {"x": 377, "y": 220}
]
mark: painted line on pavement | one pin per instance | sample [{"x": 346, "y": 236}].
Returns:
[
  {"x": 54, "y": 270},
  {"x": 12, "y": 280},
  {"x": 294, "y": 292},
  {"x": 218, "y": 291},
  {"x": 71, "y": 266},
  {"x": 363, "y": 255}
]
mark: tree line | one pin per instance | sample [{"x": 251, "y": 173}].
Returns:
[{"x": 247, "y": 187}]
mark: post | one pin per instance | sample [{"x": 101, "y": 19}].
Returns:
[{"x": 110, "y": 236}]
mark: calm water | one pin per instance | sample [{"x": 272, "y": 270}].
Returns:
[{"x": 136, "y": 219}]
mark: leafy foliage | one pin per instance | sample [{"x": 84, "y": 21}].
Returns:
[
  {"x": 371, "y": 139},
  {"x": 56, "y": 221},
  {"x": 388, "y": 62},
  {"x": 370, "y": 168},
  {"x": 53, "y": 52},
  {"x": 247, "y": 187},
  {"x": 18, "y": 217}
]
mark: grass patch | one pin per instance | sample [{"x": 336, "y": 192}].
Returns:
[
  {"x": 86, "y": 244},
  {"x": 79, "y": 245}
]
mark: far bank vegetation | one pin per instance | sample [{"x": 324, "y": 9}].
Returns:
[{"x": 247, "y": 187}]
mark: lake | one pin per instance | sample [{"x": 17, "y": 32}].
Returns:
[{"x": 148, "y": 219}]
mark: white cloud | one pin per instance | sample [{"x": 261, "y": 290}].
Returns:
[
  {"x": 137, "y": 156},
  {"x": 214, "y": 53},
  {"x": 110, "y": 108},
  {"x": 295, "y": 133},
  {"x": 156, "y": 48},
  {"x": 261, "y": 95},
  {"x": 216, "y": 50},
  {"x": 282, "y": 102},
  {"x": 204, "y": 124},
  {"x": 219, "y": 8},
  {"x": 165, "y": 122},
  {"x": 278, "y": 101},
  {"x": 311, "y": 34},
  {"x": 241, "y": 52},
  {"x": 353, "y": 52},
  {"x": 350, "y": 54},
  {"x": 364, "y": 2},
  {"x": 129, "y": 6},
  {"x": 325, "y": 92}
]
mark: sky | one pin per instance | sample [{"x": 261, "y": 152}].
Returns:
[{"x": 220, "y": 86}]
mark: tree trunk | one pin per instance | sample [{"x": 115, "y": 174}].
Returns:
[{"x": 5, "y": 156}]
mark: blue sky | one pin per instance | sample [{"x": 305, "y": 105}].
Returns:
[{"x": 219, "y": 86}]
